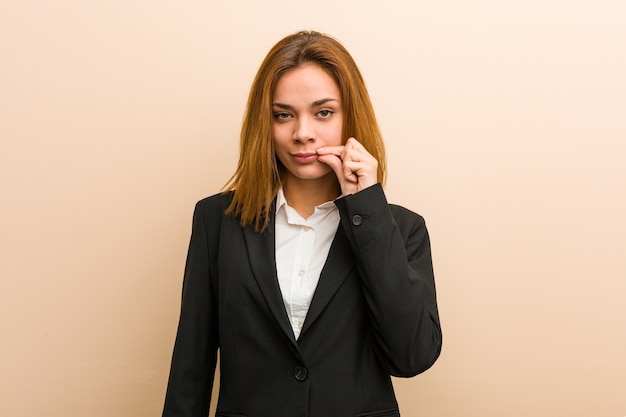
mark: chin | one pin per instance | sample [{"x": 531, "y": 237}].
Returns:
[{"x": 310, "y": 173}]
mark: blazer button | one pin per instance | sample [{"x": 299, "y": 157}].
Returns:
[
  {"x": 300, "y": 373},
  {"x": 357, "y": 220}
]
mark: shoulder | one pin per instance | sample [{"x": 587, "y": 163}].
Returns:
[
  {"x": 211, "y": 210},
  {"x": 217, "y": 202},
  {"x": 403, "y": 212},
  {"x": 405, "y": 218},
  {"x": 209, "y": 214}
]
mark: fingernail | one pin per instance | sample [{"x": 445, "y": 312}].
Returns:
[{"x": 320, "y": 150}]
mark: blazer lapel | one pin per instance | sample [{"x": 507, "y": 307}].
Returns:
[
  {"x": 338, "y": 266},
  {"x": 262, "y": 253}
]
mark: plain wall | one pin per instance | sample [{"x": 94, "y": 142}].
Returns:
[{"x": 506, "y": 129}]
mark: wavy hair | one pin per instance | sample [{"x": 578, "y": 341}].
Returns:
[{"x": 258, "y": 175}]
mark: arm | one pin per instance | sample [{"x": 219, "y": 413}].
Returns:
[
  {"x": 195, "y": 350},
  {"x": 393, "y": 258}
]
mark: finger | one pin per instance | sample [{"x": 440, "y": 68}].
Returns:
[
  {"x": 363, "y": 172},
  {"x": 348, "y": 172},
  {"x": 355, "y": 151},
  {"x": 334, "y": 162},
  {"x": 350, "y": 154},
  {"x": 352, "y": 143},
  {"x": 356, "y": 168},
  {"x": 331, "y": 150}
]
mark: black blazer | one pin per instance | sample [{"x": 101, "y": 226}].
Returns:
[{"x": 373, "y": 314}]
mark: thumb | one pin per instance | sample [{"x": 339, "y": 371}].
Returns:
[{"x": 334, "y": 162}]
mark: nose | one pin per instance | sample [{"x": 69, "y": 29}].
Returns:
[{"x": 304, "y": 130}]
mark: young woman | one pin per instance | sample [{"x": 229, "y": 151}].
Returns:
[{"x": 314, "y": 289}]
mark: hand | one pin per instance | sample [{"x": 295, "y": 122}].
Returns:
[{"x": 354, "y": 166}]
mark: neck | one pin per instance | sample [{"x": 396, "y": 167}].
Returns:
[{"x": 304, "y": 195}]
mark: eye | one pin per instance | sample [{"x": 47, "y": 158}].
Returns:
[
  {"x": 325, "y": 113},
  {"x": 280, "y": 116}
]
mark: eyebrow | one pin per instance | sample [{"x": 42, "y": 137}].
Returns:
[{"x": 314, "y": 104}]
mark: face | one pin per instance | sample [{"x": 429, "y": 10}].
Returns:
[{"x": 307, "y": 115}]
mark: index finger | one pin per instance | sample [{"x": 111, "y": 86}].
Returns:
[{"x": 330, "y": 150}]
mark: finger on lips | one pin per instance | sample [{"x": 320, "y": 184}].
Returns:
[{"x": 330, "y": 150}]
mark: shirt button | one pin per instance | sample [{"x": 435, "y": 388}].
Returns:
[
  {"x": 300, "y": 373},
  {"x": 357, "y": 220},
  {"x": 306, "y": 228},
  {"x": 301, "y": 273}
]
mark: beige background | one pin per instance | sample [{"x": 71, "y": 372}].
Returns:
[{"x": 506, "y": 128}]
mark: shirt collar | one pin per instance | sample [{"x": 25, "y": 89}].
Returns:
[{"x": 280, "y": 199}]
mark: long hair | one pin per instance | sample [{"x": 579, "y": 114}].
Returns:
[{"x": 258, "y": 176}]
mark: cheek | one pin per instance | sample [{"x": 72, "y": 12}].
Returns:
[
  {"x": 281, "y": 135},
  {"x": 334, "y": 135}
]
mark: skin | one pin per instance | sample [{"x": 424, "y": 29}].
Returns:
[{"x": 307, "y": 127}]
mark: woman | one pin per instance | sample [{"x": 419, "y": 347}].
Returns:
[{"x": 314, "y": 289}]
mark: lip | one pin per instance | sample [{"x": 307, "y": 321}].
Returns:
[{"x": 305, "y": 157}]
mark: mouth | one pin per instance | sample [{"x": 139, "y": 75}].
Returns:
[{"x": 305, "y": 157}]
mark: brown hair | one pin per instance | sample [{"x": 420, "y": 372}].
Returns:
[{"x": 258, "y": 176}]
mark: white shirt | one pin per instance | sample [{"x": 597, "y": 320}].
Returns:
[{"x": 302, "y": 246}]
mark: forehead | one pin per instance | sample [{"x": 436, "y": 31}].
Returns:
[{"x": 308, "y": 81}]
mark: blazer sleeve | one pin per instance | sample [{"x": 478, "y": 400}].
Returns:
[
  {"x": 195, "y": 349},
  {"x": 393, "y": 259}
]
